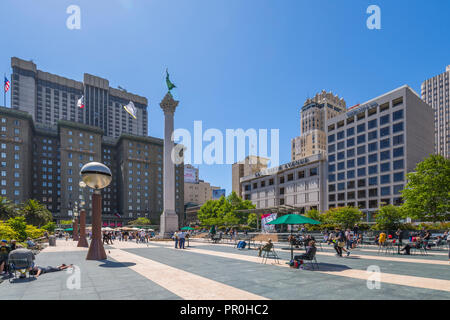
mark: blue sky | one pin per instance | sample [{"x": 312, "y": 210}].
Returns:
[{"x": 237, "y": 63}]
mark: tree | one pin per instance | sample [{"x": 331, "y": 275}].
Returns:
[
  {"x": 50, "y": 227},
  {"x": 427, "y": 193},
  {"x": 19, "y": 226},
  {"x": 6, "y": 232},
  {"x": 224, "y": 211},
  {"x": 7, "y": 209},
  {"x": 35, "y": 213},
  {"x": 140, "y": 222},
  {"x": 252, "y": 220},
  {"x": 315, "y": 215},
  {"x": 347, "y": 217},
  {"x": 389, "y": 217}
]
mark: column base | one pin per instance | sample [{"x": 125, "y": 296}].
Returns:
[
  {"x": 169, "y": 224},
  {"x": 96, "y": 250},
  {"x": 83, "y": 242}
]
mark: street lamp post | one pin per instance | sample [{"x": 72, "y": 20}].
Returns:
[
  {"x": 75, "y": 223},
  {"x": 96, "y": 176},
  {"x": 82, "y": 242}
]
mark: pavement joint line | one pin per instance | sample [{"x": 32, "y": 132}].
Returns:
[
  {"x": 404, "y": 280},
  {"x": 182, "y": 283}
]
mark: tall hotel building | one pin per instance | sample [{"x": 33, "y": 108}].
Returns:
[
  {"x": 45, "y": 139},
  {"x": 313, "y": 117},
  {"x": 49, "y": 98},
  {"x": 436, "y": 92},
  {"x": 373, "y": 146}
]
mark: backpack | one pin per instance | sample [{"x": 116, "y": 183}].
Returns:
[{"x": 241, "y": 244}]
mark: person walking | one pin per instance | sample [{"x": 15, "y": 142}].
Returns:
[{"x": 399, "y": 236}]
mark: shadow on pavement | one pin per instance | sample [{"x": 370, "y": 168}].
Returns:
[
  {"x": 332, "y": 267},
  {"x": 112, "y": 264}
]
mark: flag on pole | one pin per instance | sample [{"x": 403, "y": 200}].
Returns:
[
  {"x": 131, "y": 109},
  {"x": 80, "y": 103},
  {"x": 117, "y": 215},
  {"x": 7, "y": 84},
  {"x": 169, "y": 83}
]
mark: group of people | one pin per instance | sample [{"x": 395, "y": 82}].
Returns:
[
  {"x": 141, "y": 236},
  {"x": 344, "y": 240},
  {"x": 180, "y": 239}
]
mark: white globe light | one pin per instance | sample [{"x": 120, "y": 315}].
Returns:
[{"x": 96, "y": 175}]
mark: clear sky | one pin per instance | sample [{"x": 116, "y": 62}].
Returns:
[{"x": 237, "y": 63}]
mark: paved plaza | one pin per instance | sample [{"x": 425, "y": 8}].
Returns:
[{"x": 206, "y": 271}]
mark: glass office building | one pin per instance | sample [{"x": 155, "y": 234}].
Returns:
[{"x": 373, "y": 146}]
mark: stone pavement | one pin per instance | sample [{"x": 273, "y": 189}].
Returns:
[{"x": 206, "y": 271}]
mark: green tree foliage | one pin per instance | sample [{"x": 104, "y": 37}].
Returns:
[
  {"x": 6, "y": 232},
  {"x": 140, "y": 222},
  {"x": 315, "y": 215},
  {"x": 34, "y": 232},
  {"x": 50, "y": 227},
  {"x": 252, "y": 220},
  {"x": 389, "y": 217},
  {"x": 7, "y": 209},
  {"x": 427, "y": 193},
  {"x": 346, "y": 217},
  {"x": 19, "y": 226},
  {"x": 224, "y": 211},
  {"x": 35, "y": 213}
]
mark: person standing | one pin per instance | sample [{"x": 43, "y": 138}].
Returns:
[
  {"x": 175, "y": 237},
  {"x": 399, "y": 235},
  {"x": 182, "y": 236}
]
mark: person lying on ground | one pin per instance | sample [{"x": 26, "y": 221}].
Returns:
[{"x": 37, "y": 270}]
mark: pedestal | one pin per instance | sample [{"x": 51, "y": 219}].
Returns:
[
  {"x": 96, "y": 249},
  {"x": 169, "y": 224},
  {"x": 75, "y": 230},
  {"x": 82, "y": 242}
]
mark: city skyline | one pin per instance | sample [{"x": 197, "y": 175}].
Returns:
[{"x": 243, "y": 82}]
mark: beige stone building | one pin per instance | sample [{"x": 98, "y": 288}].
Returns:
[
  {"x": 198, "y": 193},
  {"x": 250, "y": 165},
  {"x": 436, "y": 92},
  {"x": 313, "y": 116}
]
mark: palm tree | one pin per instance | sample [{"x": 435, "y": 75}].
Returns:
[
  {"x": 7, "y": 208},
  {"x": 35, "y": 213}
]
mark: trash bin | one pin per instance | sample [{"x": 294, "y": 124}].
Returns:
[{"x": 52, "y": 241}]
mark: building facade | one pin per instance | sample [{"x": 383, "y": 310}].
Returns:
[
  {"x": 43, "y": 162},
  {"x": 313, "y": 117},
  {"x": 300, "y": 184},
  {"x": 49, "y": 98},
  {"x": 436, "y": 92},
  {"x": 198, "y": 193},
  {"x": 371, "y": 148},
  {"x": 246, "y": 167}
]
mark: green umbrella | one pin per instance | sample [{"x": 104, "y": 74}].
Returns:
[
  {"x": 68, "y": 229},
  {"x": 293, "y": 219},
  {"x": 187, "y": 228}
]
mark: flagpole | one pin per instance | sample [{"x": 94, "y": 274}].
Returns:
[{"x": 4, "y": 91}]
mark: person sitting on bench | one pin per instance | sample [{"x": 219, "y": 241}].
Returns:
[
  {"x": 310, "y": 253},
  {"x": 417, "y": 244},
  {"x": 267, "y": 247}
]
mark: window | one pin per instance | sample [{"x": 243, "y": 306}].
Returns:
[
  {"x": 281, "y": 180},
  {"x": 341, "y": 186},
  {"x": 331, "y": 148},
  {"x": 290, "y": 177},
  {"x": 350, "y": 142},
  {"x": 384, "y": 120},
  {"x": 372, "y": 135},
  {"x": 361, "y": 150},
  {"x": 313, "y": 171},
  {"x": 373, "y": 192},
  {"x": 331, "y": 187},
  {"x": 372, "y": 124},
  {"x": 350, "y": 174},
  {"x": 373, "y": 181},
  {"x": 361, "y": 127},
  {"x": 340, "y": 145},
  {"x": 301, "y": 174},
  {"x": 331, "y": 158},
  {"x": 331, "y": 138},
  {"x": 373, "y": 169},
  {"x": 397, "y": 127},
  {"x": 373, "y": 158},
  {"x": 398, "y": 152},
  {"x": 350, "y": 153},
  {"x": 341, "y": 165},
  {"x": 340, "y": 135},
  {"x": 384, "y": 167},
  {"x": 384, "y": 131},
  {"x": 351, "y": 184},
  {"x": 398, "y": 164},
  {"x": 396, "y": 140},
  {"x": 385, "y": 191},
  {"x": 398, "y": 188},
  {"x": 361, "y": 138},
  {"x": 397, "y": 115},
  {"x": 361, "y": 194},
  {"x": 398, "y": 176},
  {"x": 385, "y": 155},
  {"x": 373, "y": 146},
  {"x": 351, "y": 163},
  {"x": 332, "y": 177},
  {"x": 385, "y": 179},
  {"x": 385, "y": 143},
  {"x": 350, "y": 131},
  {"x": 361, "y": 172},
  {"x": 361, "y": 161}
]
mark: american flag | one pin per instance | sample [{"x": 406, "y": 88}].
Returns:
[{"x": 6, "y": 87}]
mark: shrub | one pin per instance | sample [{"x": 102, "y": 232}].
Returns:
[
  {"x": 50, "y": 227},
  {"x": 6, "y": 232},
  {"x": 19, "y": 225},
  {"x": 34, "y": 232}
]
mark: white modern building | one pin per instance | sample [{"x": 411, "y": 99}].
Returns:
[
  {"x": 299, "y": 184},
  {"x": 373, "y": 146}
]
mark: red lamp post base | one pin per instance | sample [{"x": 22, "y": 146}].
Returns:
[
  {"x": 96, "y": 249},
  {"x": 82, "y": 242}
]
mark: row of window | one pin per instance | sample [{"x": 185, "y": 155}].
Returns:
[
  {"x": 362, "y": 172},
  {"x": 283, "y": 179}
]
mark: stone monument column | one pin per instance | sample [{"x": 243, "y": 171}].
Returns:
[{"x": 169, "y": 218}]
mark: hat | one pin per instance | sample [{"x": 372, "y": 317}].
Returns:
[{"x": 5, "y": 241}]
